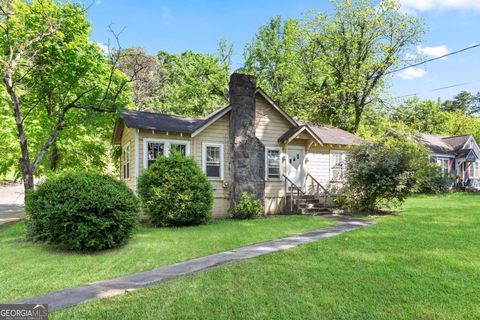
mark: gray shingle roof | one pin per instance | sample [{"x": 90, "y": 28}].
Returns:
[
  {"x": 326, "y": 134},
  {"x": 171, "y": 123},
  {"x": 457, "y": 142},
  {"x": 333, "y": 135},
  {"x": 444, "y": 145},
  {"x": 436, "y": 144},
  {"x": 164, "y": 122}
]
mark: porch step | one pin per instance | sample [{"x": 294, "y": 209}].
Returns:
[
  {"x": 314, "y": 211},
  {"x": 312, "y": 204},
  {"x": 308, "y": 205}
]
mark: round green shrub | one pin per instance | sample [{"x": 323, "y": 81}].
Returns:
[
  {"x": 82, "y": 211},
  {"x": 175, "y": 192},
  {"x": 247, "y": 208}
]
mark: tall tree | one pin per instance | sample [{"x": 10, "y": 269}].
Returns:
[
  {"x": 420, "y": 115},
  {"x": 54, "y": 77},
  {"x": 344, "y": 58},
  {"x": 464, "y": 102},
  {"x": 149, "y": 82},
  {"x": 195, "y": 83},
  {"x": 272, "y": 57}
]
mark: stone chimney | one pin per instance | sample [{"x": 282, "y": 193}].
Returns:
[{"x": 247, "y": 151}]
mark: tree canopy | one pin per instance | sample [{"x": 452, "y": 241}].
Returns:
[
  {"x": 329, "y": 68},
  {"x": 59, "y": 86}
]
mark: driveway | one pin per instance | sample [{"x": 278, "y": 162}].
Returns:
[{"x": 11, "y": 202}]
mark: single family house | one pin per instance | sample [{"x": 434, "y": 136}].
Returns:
[
  {"x": 458, "y": 156},
  {"x": 251, "y": 145}
]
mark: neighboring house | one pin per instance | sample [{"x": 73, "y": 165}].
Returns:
[
  {"x": 458, "y": 156},
  {"x": 250, "y": 145}
]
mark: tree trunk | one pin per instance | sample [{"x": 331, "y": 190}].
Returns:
[
  {"x": 54, "y": 157},
  {"x": 24, "y": 161}
]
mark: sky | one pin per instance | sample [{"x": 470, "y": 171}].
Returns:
[{"x": 176, "y": 26}]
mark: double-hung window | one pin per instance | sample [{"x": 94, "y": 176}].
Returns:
[
  {"x": 474, "y": 169},
  {"x": 154, "y": 148},
  {"x": 337, "y": 165},
  {"x": 213, "y": 160},
  {"x": 126, "y": 162},
  {"x": 273, "y": 163},
  {"x": 178, "y": 148},
  {"x": 444, "y": 165}
]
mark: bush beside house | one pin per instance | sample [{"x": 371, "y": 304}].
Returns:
[
  {"x": 247, "y": 208},
  {"x": 82, "y": 211},
  {"x": 175, "y": 192},
  {"x": 382, "y": 174}
]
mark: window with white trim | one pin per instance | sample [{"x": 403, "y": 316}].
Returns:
[
  {"x": 273, "y": 158},
  {"x": 178, "y": 148},
  {"x": 153, "y": 148},
  {"x": 213, "y": 160},
  {"x": 444, "y": 165},
  {"x": 474, "y": 169},
  {"x": 126, "y": 162},
  {"x": 337, "y": 165}
]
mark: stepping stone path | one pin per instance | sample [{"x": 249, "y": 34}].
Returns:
[{"x": 107, "y": 288}]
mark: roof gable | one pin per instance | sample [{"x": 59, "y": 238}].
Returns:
[
  {"x": 455, "y": 146},
  {"x": 436, "y": 144},
  {"x": 457, "y": 142},
  {"x": 262, "y": 93}
]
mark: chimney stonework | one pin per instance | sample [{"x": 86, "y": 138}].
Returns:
[{"x": 247, "y": 151}]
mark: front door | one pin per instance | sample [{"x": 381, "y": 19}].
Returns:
[{"x": 295, "y": 165}]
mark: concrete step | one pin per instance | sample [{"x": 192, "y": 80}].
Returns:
[
  {"x": 307, "y": 205},
  {"x": 314, "y": 211}
]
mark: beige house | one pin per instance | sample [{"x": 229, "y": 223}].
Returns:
[{"x": 250, "y": 145}]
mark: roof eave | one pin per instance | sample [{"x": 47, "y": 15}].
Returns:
[
  {"x": 282, "y": 112},
  {"x": 207, "y": 123}
]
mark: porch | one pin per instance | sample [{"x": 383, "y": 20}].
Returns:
[{"x": 312, "y": 171}]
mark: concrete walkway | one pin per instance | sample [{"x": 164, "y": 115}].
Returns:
[
  {"x": 108, "y": 288},
  {"x": 11, "y": 202}
]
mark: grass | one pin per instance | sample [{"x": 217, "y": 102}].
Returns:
[
  {"x": 28, "y": 269},
  {"x": 421, "y": 264}
]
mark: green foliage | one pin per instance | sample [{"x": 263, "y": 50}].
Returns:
[
  {"x": 420, "y": 115},
  {"x": 247, "y": 208},
  {"x": 175, "y": 192},
  {"x": 82, "y": 211},
  {"x": 149, "y": 80},
  {"x": 431, "y": 181},
  {"x": 52, "y": 72},
  {"x": 464, "y": 102},
  {"x": 413, "y": 116},
  {"x": 382, "y": 174},
  {"x": 328, "y": 69},
  {"x": 195, "y": 83}
]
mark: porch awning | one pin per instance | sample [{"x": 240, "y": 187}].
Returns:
[
  {"x": 468, "y": 154},
  {"x": 295, "y": 132}
]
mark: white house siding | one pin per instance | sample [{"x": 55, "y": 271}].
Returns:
[
  {"x": 271, "y": 125},
  {"x": 128, "y": 137},
  {"x": 218, "y": 132},
  {"x": 318, "y": 163}
]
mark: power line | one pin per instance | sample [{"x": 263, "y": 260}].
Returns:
[
  {"x": 433, "y": 59},
  {"x": 438, "y": 89},
  {"x": 453, "y": 85}
]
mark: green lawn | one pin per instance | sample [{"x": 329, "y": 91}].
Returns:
[
  {"x": 422, "y": 264},
  {"x": 28, "y": 269}
]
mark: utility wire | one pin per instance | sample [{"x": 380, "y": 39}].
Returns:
[
  {"x": 433, "y": 59},
  {"x": 437, "y": 89}
]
